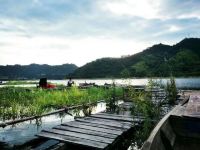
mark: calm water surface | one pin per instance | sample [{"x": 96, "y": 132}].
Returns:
[
  {"x": 180, "y": 82},
  {"x": 186, "y": 83},
  {"x": 22, "y": 132}
]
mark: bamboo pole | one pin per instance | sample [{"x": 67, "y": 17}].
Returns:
[{"x": 66, "y": 109}]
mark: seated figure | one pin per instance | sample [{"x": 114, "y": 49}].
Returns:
[{"x": 70, "y": 82}]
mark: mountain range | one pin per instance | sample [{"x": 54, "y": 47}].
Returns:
[
  {"x": 36, "y": 71},
  {"x": 179, "y": 60}
]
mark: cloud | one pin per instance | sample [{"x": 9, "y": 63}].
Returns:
[
  {"x": 142, "y": 8},
  {"x": 170, "y": 29},
  {"x": 57, "y": 50},
  {"x": 108, "y": 18},
  {"x": 156, "y": 9},
  {"x": 174, "y": 28},
  {"x": 65, "y": 31}
]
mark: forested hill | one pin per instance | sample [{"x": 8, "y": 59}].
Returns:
[
  {"x": 181, "y": 59},
  {"x": 35, "y": 71}
]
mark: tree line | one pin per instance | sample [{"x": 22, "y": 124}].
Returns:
[{"x": 180, "y": 60}]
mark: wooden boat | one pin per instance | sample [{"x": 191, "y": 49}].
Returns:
[
  {"x": 179, "y": 129},
  {"x": 86, "y": 85}
]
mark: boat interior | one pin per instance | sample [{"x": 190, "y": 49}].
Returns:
[{"x": 178, "y": 130}]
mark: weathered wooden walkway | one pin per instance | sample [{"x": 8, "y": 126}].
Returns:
[{"x": 98, "y": 131}]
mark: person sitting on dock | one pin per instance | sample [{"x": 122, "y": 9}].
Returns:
[{"x": 70, "y": 82}]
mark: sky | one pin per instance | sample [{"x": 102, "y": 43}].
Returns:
[{"x": 56, "y": 32}]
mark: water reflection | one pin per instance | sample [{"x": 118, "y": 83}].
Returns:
[{"x": 21, "y": 133}]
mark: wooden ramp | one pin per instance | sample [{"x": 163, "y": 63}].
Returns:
[
  {"x": 193, "y": 106},
  {"x": 98, "y": 131}
]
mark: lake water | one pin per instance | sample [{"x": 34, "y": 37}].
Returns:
[
  {"x": 180, "y": 82},
  {"x": 186, "y": 83},
  {"x": 22, "y": 132}
]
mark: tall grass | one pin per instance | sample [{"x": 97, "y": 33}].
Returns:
[
  {"x": 20, "y": 82},
  {"x": 20, "y": 102},
  {"x": 151, "y": 108},
  {"x": 171, "y": 90}
]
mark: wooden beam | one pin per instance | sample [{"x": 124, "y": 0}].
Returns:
[
  {"x": 105, "y": 122},
  {"x": 81, "y": 135},
  {"x": 113, "y": 118},
  {"x": 90, "y": 132},
  {"x": 98, "y": 125},
  {"x": 115, "y": 115},
  {"x": 73, "y": 140},
  {"x": 93, "y": 128}
]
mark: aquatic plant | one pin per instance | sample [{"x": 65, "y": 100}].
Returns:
[
  {"x": 113, "y": 94},
  {"x": 149, "y": 105},
  {"x": 145, "y": 104},
  {"x": 171, "y": 90},
  {"x": 20, "y": 82},
  {"x": 17, "y": 102}
]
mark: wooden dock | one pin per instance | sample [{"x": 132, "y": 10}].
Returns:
[
  {"x": 98, "y": 131},
  {"x": 193, "y": 106}
]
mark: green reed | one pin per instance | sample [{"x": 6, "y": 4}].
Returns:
[
  {"x": 20, "y": 82},
  {"x": 17, "y": 102}
]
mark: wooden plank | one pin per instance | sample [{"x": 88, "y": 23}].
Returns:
[
  {"x": 193, "y": 106},
  {"x": 113, "y": 118},
  {"x": 115, "y": 115},
  {"x": 73, "y": 140},
  {"x": 103, "y": 126},
  {"x": 116, "y": 132},
  {"x": 46, "y": 145},
  {"x": 79, "y": 130},
  {"x": 110, "y": 123},
  {"x": 94, "y": 125},
  {"x": 107, "y": 120},
  {"x": 104, "y": 122},
  {"x": 135, "y": 120},
  {"x": 81, "y": 135},
  {"x": 120, "y": 115}
]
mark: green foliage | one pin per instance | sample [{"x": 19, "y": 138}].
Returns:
[
  {"x": 144, "y": 106},
  {"x": 105, "y": 67},
  {"x": 182, "y": 59},
  {"x": 140, "y": 69},
  {"x": 171, "y": 90},
  {"x": 20, "y": 102},
  {"x": 34, "y": 71},
  {"x": 154, "y": 83},
  {"x": 20, "y": 82},
  {"x": 185, "y": 62},
  {"x": 114, "y": 94},
  {"x": 125, "y": 73}
]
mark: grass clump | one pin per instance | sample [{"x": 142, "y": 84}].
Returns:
[
  {"x": 20, "y": 82},
  {"x": 171, "y": 90},
  {"x": 148, "y": 105},
  {"x": 18, "y": 102}
]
